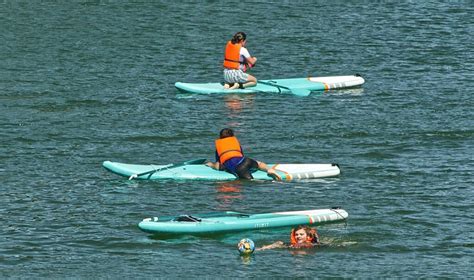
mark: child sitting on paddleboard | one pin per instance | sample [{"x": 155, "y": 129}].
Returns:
[
  {"x": 237, "y": 60},
  {"x": 301, "y": 237},
  {"x": 230, "y": 157}
]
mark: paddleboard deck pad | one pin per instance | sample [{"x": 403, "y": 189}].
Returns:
[
  {"x": 285, "y": 172},
  {"x": 279, "y": 85},
  {"x": 234, "y": 221}
]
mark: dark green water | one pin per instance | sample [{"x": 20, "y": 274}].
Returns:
[{"x": 92, "y": 81}]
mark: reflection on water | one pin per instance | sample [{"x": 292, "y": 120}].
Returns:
[
  {"x": 349, "y": 91},
  {"x": 302, "y": 252},
  {"x": 236, "y": 103},
  {"x": 227, "y": 193},
  {"x": 246, "y": 259}
]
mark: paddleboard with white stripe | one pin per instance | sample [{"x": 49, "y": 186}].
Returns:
[
  {"x": 297, "y": 86},
  {"x": 285, "y": 172},
  {"x": 234, "y": 221}
]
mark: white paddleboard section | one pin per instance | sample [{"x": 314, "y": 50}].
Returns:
[
  {"x": 308, "y": 171},
  {"x": 320, "y": 215},
  {"x": 336, "y": 82}
]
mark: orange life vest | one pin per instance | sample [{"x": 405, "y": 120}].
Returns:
[
  {"x": 232, "y": 56},
  {"x": 228, "y": 148}
]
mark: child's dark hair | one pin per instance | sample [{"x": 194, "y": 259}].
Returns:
[
  {"x": 226, "y": 132},
  {"x": 238, "y": 37}
]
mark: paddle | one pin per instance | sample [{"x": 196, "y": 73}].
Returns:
[
  {"x": 195, "y": 161},
  {"x": 295, "y": 91}
]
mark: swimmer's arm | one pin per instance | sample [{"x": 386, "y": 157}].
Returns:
[{"x": 276, "y": 245}]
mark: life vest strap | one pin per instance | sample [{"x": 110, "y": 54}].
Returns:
[
  {"x": 228, "y": 151},
  {"x": 237, "y": 61}
]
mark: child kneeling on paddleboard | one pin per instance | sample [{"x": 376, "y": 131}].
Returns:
[
  {"x": 230, "y": 157},
  {"x": 301, "y": 237},
  {"x": 237, "y": 60}
]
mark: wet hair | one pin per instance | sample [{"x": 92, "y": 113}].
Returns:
[
  {"x": 238, "y": 37},
  {"x": 226, "y": 132}
]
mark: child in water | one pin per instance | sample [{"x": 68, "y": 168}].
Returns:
[{"x": 301, "y": 237}]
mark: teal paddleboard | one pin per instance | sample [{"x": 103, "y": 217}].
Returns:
[
  {"x": 196, "y": 170},
  {"x": 235, "y": 221},
  {"x": 297, "y": 86}
]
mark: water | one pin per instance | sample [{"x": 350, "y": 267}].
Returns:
[{"x": 90, "y": 81}]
